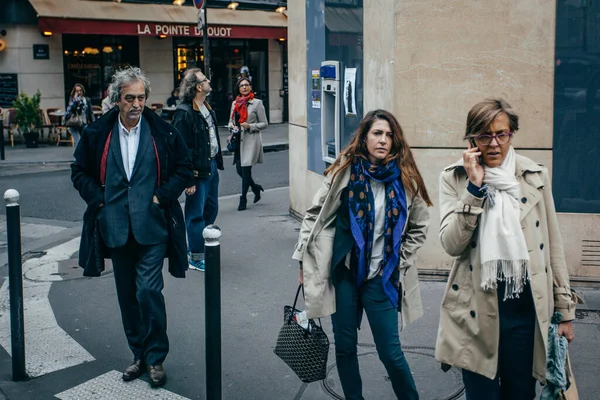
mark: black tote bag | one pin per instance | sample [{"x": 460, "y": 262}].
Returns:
[{"x": 305, "y": 351}]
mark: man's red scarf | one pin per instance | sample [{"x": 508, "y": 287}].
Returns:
[{"x": 241, "y": 107}]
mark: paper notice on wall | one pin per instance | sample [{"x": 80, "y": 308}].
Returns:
[
  {"x": 350, "y": 91},
  {"x": 316, "y": 88}
]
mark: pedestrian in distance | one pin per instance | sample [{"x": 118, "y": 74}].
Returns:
[
  {"x": 247, "y": 119},
  {"x": 79, "y": 105},
  {"x": 357, "y": 248},
  {"x": 173, "y": 101},
  {"x": 130, "y": 168},
  {"x": 509, "y": 274},
  {"x": 197, "y": 122}
]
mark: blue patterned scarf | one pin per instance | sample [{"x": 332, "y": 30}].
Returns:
[{"x": 362, "y": 219}]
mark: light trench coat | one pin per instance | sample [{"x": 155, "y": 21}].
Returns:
[
  {"x": 468, "y": 334},
  {"x": 251, "y": 147},
  {"x": 315, "y": 249}
]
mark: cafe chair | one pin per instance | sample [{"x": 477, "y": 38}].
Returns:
[
  {"x": 46, "y": 125},
  {"x": 58, "y": 129}
]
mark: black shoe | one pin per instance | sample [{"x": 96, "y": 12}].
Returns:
[
  {"x": 256, "y": 190},
  {"x": 157, "y": 375},
  {"x": 134, "y": 371},
  {"x": 242, "y": 205}
]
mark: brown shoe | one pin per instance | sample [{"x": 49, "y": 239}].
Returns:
[
  {"x": 157, "y": 375},
  {"x": 134, "y": 371}
]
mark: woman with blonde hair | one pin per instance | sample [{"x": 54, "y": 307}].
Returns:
[
  {"x": 509, "y": 279},
  {"x": 358, "y": 245}
]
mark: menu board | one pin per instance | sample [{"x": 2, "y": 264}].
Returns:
[{"x": 9, "y": 89}]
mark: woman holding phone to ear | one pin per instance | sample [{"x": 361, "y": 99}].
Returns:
[{"x": 509, "y": 276}]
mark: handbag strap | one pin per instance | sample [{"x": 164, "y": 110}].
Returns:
[{"x": 300, "y": 286}]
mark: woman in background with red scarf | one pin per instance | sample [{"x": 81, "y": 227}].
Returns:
[{"x": 247, "y": 119}]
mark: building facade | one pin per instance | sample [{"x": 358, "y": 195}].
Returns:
[
  {"x": 429, "y": 63},
  {"x": 85, "y": 41}
]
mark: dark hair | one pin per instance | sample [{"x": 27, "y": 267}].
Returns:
[
  {"x": 75, "y": 86},
  {"x": 400, "y": 153},
  {"x": 237, "y": 85},
  {"x": 482, "y": 115}
]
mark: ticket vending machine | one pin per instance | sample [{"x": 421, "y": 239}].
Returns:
[{"x": 331, "y": 110}]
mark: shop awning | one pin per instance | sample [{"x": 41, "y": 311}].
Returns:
[{"x": 111, "y": 18}]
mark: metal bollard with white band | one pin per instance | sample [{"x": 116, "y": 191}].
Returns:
[
  {"x": 15, "y": 284},
  {"x": 212, "y": 311}
]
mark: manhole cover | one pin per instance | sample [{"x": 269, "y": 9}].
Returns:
[{"x": 376, "y": 383}]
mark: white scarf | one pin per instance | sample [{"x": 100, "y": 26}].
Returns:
[{"x": 504, "y": 255}]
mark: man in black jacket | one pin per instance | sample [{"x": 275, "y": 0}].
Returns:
[
  {"x": 130, "y": 167},
  {"x": 198, "y": 125}
]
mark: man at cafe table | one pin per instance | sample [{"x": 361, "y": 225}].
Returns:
[{"x": 130, "y": 168}]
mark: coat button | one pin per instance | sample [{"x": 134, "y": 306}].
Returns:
[
  {"x": 537, "y": 224},
  {"x": 546, "y": 269},
  {"x": 455, "y": 287},
  {"x": 542, "y": 246},
  {"x": 470, "y": 268},
  {"x": 524, "y": 200},
  {"x": 473, "y": 244},
  {"x": 472, "y": 313}
]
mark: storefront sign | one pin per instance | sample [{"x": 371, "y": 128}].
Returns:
[
  {"x": 99, "y": 27},
  {"x": 41, "y": 52},
  {"x": 181, "y": 30}
]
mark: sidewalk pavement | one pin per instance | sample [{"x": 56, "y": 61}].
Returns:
[
  {"x": 258, "y": 277},
  {"x": 47, "y": 157}
]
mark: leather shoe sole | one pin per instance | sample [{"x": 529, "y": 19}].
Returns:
[{"x": 134, "y": 371}]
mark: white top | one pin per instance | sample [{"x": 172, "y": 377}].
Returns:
[
  {"x": 214, "y": 144},
  {"x": 378, "y": 189},
  {"x": 129, "y": 141}
]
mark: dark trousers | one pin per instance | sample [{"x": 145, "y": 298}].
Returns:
[
  {"x": 201, "y": 209},
  {"x": 514, "y": 380},
  {"x": 139, "y": 281},
  {"x": 246, "y": 174},
  {"x": 383, "y": 320}
]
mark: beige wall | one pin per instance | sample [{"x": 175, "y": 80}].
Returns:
[
  {"x": 156, "y": 60},
  {"x": 275, "y": 81},
  {"x": 43, "y": 75},
  {"x": 439, "y": 68}
]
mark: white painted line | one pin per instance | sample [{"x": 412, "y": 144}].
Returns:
[
  {"x": 48, "y": 347},
  {"x": 111, "y": 386}
]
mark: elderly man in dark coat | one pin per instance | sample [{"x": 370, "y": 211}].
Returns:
[{"x": 131, "y": 167}]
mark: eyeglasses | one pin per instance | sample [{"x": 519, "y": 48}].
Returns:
[
  {"x": 486, "y": 139},
  {"x": 131, "y": 98},
  {"x": 244, "y": 85}
]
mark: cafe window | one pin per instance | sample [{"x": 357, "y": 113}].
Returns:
[
  {"x": 577, "y": 107},
  {"x": 93, "y": 59},
  {"x": 227, "y": 57}
]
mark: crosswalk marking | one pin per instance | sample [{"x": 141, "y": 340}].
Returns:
[
  {"x": 111, "y": 386},
  {"x": 48, "y": 347}
]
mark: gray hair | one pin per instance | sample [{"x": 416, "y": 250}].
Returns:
[
  {"x": 187, "y": 88},
  {"x": 124, "y": 77}
]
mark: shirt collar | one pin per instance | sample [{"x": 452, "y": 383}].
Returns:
[{"x": 134, "y": 130}]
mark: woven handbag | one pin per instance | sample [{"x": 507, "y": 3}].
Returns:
[{"x": 305, "y": 351}]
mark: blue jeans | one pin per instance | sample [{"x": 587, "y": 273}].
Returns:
[
  {"x": 201, "y": 209},
  {"x": 383, "y": 319},
  {"x": 514, "y": 380},
  {"x": 76, "y": 134}
]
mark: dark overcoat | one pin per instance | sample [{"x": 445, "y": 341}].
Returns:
[{"x": 175, "y": 175}]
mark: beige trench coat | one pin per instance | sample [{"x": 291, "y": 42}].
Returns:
[
  {"x": 251, "y": 147},
  {"x": 315, "y": 250},
  {"x": 468, "y": 334}
]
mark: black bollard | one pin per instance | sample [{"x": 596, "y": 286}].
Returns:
[
  {"x": 212, "y": 311},
  {"x": 1, "y": 139},
  {"x": 15, "y": 284}
]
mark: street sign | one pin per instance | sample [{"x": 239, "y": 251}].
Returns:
[{"x": 199, "y": 4}]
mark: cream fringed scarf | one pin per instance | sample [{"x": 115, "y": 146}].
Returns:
[{"x": 504, "y": 255}]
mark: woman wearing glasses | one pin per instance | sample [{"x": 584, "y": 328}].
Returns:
[
  {"x": 509, "y": 276},
  {"x": 247, "y": 119}
]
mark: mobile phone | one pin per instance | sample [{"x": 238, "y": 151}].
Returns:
[{"x": 472, "y": 141}]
